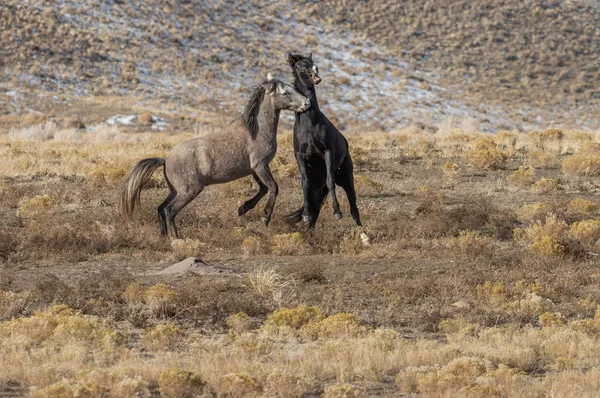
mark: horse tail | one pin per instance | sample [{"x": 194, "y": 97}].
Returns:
[
  {"x": 295, "y": 216},
  {"x": 134, "y": 182}
]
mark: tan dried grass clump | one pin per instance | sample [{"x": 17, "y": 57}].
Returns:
[
  {"x": 254, "y": 246},
  {"x": 523, "y": 177},
  {"x": 533, "y": 212},
  {"x": 430, "y": 200},
  {"x": 541, "y": 139},
  {"x": 485, "y": 155},
  {"x": 582, "y": 165},
  {"x": 180, "y": 383},
  {"x": 36, "y": 206},
  {"x": 145, "y": 119},
  {"x": 14, "y": 303},
  {"x": 240, "y": 385},
  {"x": 587, "y": 233},
  {"x": 451, "y": 170},
  {"x": 133, "y": 294},
  {"x": 160, "y": 298},
  {"x": 163, "y": 337},
  {"x": 470, "y": 243},
  {"x": 343, "y": 390},
  {"x": 541, "y": 160},
  {"x": 239, "y": 323},
  {"x": 583, "y": 206},
  {"x": 544, "y": 186},
  {"x": 288, "y": 244},
  {"x": 184, "y": 248},
  {"x": 548, "y": 238}
]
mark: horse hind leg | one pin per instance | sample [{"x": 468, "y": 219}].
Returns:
[
  {"x": 161, "y": 211},
  {"x": 181, "y": 199},
  {"x": 344, "y": 177}
]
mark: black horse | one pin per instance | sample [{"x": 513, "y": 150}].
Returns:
[{"x": 321, "y": 150}]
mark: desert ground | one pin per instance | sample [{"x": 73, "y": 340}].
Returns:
[
  {"x": 475, "y": 141},
  {"x": 481, "y": 278}
]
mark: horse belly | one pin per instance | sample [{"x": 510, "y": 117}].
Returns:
[{"x": 229, "y": 169}]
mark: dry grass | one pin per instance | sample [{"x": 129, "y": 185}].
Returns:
[{"x": 453, "y": 252}]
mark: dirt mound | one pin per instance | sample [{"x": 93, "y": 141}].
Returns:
[{"x": 193, "y": 266}]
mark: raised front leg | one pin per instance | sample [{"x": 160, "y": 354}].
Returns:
[
  {"x": 251, "y": 203},
  {"x": 330, "y": 166},
  {"x": 264, "y": 174},
  {"x": 307, "y": 214}
]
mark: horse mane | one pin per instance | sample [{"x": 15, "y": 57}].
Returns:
[{"x": 250, "y": 115}]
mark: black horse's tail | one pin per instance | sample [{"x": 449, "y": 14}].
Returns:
[
  {"x": 296, "y": 215},
  {"x": 134, "y": 182}
]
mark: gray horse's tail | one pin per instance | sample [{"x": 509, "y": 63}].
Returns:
[{"x": 134, "y": 182}]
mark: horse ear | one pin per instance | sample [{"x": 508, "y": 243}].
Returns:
[
  {"x": 292, "y": 59},
  {"x": 309, "y": 57},
  {"x": 269, "y": 76}
]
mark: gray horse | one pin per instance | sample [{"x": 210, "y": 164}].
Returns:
[{"x": 246, "y": 147}]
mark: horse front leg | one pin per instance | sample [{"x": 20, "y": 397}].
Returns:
[
  {"x": 330, "y": 167},
  {"x": 264, "y": 174},
  {"x": 251, "y": 203}
]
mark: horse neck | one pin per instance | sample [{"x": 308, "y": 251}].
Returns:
[
  {"x": 308, "y": 91},
  {"x": 268, "y": 119}
]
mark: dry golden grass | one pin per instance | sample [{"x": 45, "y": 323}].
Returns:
[{"x": 303, "y": 313}]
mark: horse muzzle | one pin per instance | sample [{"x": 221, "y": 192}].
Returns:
[{"x": 304, "y": 106}]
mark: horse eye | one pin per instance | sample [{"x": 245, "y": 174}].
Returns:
[{"x": 285, "y": 93}]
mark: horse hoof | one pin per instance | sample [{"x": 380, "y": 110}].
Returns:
[
  {"x": 337, "y": 216},
  {"x": 241, "y": 211},
  {"x": 305, "y": 218},
  {"x": 265, "y": 220}
]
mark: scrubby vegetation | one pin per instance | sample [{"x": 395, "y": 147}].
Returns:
[{"x": 479, "y": 280}]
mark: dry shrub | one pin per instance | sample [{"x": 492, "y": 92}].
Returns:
[
  {"x": 239, "y": 385},
  {"x": 590, "y": 148},
  {"x": 107, "y": 173},
  {"x": 134, "y": 294},
  {"x": 541, "y": 160},
  {"x": 458, "y": 326},
  {"x": 457, "y": 374},
  {"x": 523, "y": 177},
  {"x": 471, "y": 243},
  {"x": 253, "y": 246},
  {"x": 59, "y": 325},
  {"x": 288, "y": 244},
  {"x": 36, "y": 206},
  {"x": 39, "y": 132},
  {"x": 587, "y": 233},
  {"x": 163, "y": 337},
  {"x": 582, "y": 165},
  {"x": 547, "y": 238},
  {"x": 239, "y": 323},
  {"x": 430, "y": 200},
  {"x": 13, "y": 304},
  {"x": 336, "y": 326},
  {"x": 343, "y": 390},
  {"x": 583, "y": 206},
  {"x": 289, "y": 321},
  {"x": 551, "y": 319},
  {"x": 184, "y": 248},
  {"x": 544, "y": 186},
  {"x": 71, "y": 388},
  {"x": 145, "y": 119},
  {"x": 485, "y": 155},
  {"x": 542, "y": 138},
  {"x": 180, "y": 383},
  {"x": 493, "y": 294},
  {"x": 160, "y": 299},
  {"x": 451, "y": 170},
  {"x": 421, "y": 148},
  {"x": 131, "y": 387},
  {"x": 284, "y": 383},
  {"x": 533, "y": 212}
]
